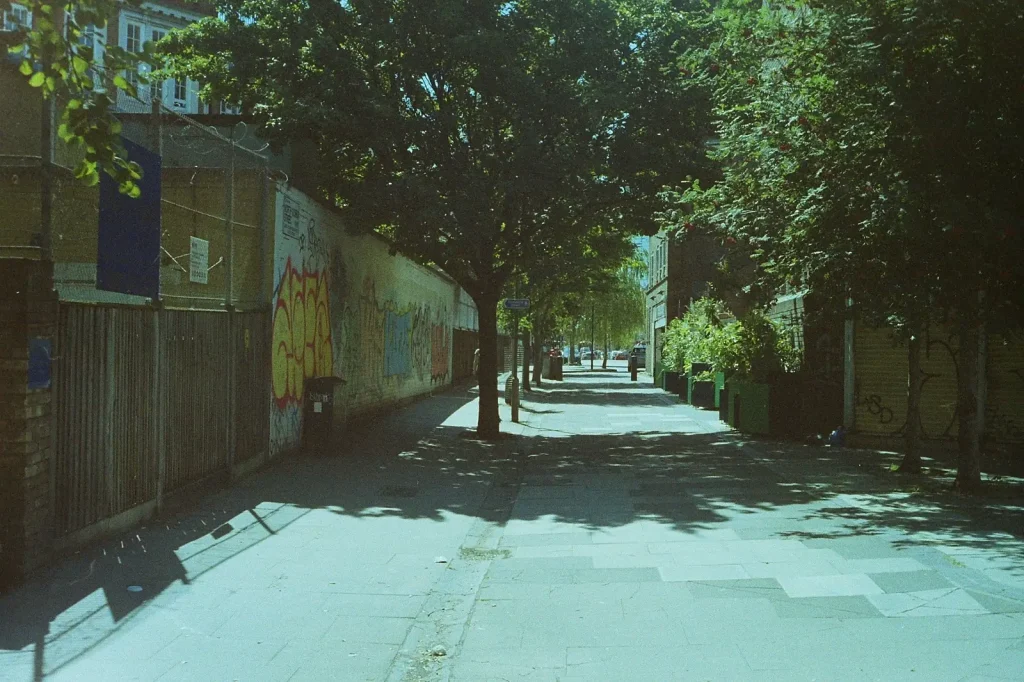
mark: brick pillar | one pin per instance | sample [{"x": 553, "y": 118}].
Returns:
[{"x": 28, "y": 320}]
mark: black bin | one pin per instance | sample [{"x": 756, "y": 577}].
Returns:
[{"x": 318, "y": 414}]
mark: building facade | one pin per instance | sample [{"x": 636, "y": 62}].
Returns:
[{"x": 679, "y": 272}]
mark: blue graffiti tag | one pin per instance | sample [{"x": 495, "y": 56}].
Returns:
[{"x": 397, "y": 350}]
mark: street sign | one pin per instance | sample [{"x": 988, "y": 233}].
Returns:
[{"x": 517, "y": 304}]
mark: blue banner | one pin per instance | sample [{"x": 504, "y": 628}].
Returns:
[{"x": 128, "y": 250}]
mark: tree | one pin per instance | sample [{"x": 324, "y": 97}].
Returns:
[
  {"x": 621, "y": 309},
  {"x": 847, "y": 134},
  {"x": 474, "y": 135},
  {"x": 56, "y": 57}
]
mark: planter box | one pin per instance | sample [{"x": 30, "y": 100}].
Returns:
[
  {"x": 719, "y": 387},
  {"x": 684, "y": 388},
  {"x": 671, "y": 381},
  {"x": 702, "y": 394},
  {"x": 749, "y": 407},
  {"x": 722, "y": 397},
  {"x": 698, "y": 367}
]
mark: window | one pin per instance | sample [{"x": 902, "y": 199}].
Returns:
[
  {"x": 136, "y": 29},
  {"x": 18, "y": 18},
  {"x": 180, "y": 93},
  {"x": 133, "y": 37},
  {"x": 232, "y": 109},
  {"x": 94, "y": 40}
]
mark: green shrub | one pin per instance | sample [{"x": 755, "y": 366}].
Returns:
[{"x": 751, "y": 348}]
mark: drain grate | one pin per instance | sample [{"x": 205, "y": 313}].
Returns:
[{"x": 398, "y": 491}]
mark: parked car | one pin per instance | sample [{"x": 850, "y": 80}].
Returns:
[{"x": 620, "y": 355}]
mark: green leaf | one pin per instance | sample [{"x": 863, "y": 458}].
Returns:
[
  {"x": 73, "y": 104},
  {"x": 81, "y": 65},
  {"x": 25, "y": 68},
  {"x": 37, "y": 79},
  {"x": 120, "y": 82},
  {"x": 16, "y": 49},
  {"x": 84, "y": 168}
]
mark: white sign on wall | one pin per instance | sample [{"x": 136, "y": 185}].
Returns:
[{"x": 199, "y": 261}]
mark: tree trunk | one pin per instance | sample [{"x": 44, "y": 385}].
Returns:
[
  {"x": 538, "y": 357},
  {"x": 912, "y": 433},
  {"x": 604, "y": 360},
  {"x": 487, "y": 417},
  {"x": 970, "y": 379},
  {"x": 526, "y": 360},
  {"x": 572, "y": 350},
  {"x": 593, "y": 339}
]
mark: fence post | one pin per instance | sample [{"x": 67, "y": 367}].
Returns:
[
  {"x": 109, "y": 408},
  {"x": 230, "y": 308},
  {"x": 46, "y": 179},
  {"x": 159, "y": 404},
  {"x": 232, "y": 393}
]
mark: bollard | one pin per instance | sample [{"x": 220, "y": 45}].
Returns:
[
  {"x": 515, "y": 399},
  {"x": 632, "y": 369}
]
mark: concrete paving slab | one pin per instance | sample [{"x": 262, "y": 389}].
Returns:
[
  {"x": 709, "y": 572},
  {"x": 826, "y": 607},
  {"x": 829, "y": 585},
  {"x": 997, "y": 603},
  {"x": 757, "y": 588},
  {"x": 941, "y": 602},
  {"x": 546, "y": 539},
  {"x": 910, "y": 581},
  {"x": 871, "y": 566}
]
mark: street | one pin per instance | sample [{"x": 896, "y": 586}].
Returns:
[{"x": 617, "y": 535}]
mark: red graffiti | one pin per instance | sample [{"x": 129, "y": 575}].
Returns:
[{"x": 302, "y": 333}]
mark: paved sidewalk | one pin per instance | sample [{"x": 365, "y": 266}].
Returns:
[{"x": 619, "y": 536}]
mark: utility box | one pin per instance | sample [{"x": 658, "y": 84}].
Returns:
[{"x": 318, "y": 414}]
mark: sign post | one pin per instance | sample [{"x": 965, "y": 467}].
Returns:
[{"x": 517, "y": 306}]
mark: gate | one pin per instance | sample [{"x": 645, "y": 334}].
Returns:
[{"x": 197, "y": 383}]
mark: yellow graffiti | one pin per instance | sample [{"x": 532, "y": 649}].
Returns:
[{"x": 302, "y": 333}]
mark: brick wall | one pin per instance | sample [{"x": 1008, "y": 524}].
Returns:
[{"x": 28, "y": 312}]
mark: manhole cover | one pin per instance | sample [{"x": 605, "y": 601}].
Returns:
[{"x": 399, "y": 491}]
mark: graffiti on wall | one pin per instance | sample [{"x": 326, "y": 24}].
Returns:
[
  {"x": 440, "y": 351},
  {"x": 882, "y": 406},
  {"x": 302, "y": 332},
  {"x": 1004, "y": 420},
  {"x": 387, "y": 344},
  {"x": 882, "y": 409},
  {"x": 397, "y": 344},
  {"x": 302, "y": 345}
]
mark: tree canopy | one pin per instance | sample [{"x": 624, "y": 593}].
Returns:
[
  {"x": 478, "y": 136},
  {"x": 870, "y": 149}
]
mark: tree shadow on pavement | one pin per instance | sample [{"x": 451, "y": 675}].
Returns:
[{"x": 415, "y": 465}]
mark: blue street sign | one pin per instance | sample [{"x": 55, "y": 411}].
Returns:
[{"x": 517, "y": 304}]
